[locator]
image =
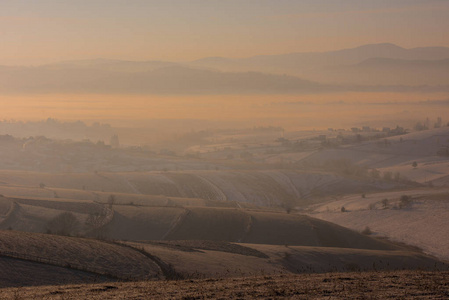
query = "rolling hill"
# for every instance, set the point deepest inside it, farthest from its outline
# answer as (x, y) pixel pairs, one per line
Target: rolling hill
(170, 79)
(397, 154)
(132, 222)
(422, 223)
(96, 257)
(63, 260)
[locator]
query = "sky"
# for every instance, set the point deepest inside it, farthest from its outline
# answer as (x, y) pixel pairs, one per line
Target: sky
(38, 32)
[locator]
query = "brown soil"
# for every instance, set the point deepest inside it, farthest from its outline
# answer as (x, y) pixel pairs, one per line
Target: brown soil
(370, 285)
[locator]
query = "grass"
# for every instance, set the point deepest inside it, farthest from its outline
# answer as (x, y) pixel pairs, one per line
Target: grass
(80, 253)
(354, 285)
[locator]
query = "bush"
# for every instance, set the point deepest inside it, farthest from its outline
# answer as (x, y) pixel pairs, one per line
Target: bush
(367, 231)
(288, 205)
(405, 201)
(343, 209)
(388, 176)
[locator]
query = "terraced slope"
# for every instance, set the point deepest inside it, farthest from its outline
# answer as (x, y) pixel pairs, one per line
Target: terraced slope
(143, 223)
(300, 230)
(262, 188)
(234, 225)
(135, 223)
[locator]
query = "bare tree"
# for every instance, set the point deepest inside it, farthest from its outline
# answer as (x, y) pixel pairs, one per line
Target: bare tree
(95, 223)
(111, 201)
(65, 223)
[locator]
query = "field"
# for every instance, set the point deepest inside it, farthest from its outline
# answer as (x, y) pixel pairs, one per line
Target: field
(276, 219)
(61, 259)
(352, 285)
(224, 149)
(97, 257)
(422, 223)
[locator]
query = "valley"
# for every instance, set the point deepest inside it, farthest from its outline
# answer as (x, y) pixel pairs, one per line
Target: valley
(269, 208)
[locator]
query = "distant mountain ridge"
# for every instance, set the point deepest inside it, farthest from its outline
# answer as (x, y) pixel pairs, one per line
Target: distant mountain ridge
(297, 63)
(376, 67)
(386, 50)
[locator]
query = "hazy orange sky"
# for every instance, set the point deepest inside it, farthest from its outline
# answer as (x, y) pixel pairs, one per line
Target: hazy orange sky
(35, 32)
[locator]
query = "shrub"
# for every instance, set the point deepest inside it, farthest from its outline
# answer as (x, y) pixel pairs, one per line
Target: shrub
(367, 231)
(343, 209)
(405, 201)
(288, 205)
(388, 176)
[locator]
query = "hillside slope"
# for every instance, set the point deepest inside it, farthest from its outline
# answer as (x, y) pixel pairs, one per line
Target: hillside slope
(19, 273)
(235, 225)
(423, 222)
(205, 259)
(80, 254)
(397, 154)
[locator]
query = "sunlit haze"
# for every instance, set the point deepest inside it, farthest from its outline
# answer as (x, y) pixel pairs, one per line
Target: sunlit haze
(36, 32)
(224, 149)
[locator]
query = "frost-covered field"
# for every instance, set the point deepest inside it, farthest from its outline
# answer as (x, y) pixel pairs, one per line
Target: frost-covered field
(423, 223)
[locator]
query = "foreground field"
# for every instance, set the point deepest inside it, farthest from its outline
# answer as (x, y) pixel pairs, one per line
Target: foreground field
(369, 285)
(44, 259)
(52, 259)
(208, 259)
